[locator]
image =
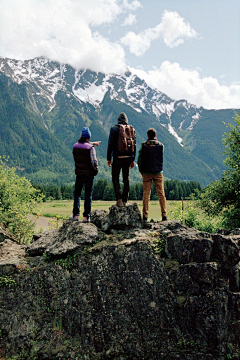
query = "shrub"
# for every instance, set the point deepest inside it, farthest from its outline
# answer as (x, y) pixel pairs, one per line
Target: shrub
(222, 198)
(18, 199)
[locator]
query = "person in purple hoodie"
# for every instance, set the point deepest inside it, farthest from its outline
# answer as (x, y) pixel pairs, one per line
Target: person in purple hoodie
(86, 167)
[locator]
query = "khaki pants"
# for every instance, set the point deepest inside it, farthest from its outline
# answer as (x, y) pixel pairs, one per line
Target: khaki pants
(159, 185)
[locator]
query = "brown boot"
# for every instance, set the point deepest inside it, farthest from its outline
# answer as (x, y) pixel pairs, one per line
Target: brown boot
(119, 203)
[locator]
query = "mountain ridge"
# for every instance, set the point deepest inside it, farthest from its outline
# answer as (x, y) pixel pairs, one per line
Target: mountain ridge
(65, 99)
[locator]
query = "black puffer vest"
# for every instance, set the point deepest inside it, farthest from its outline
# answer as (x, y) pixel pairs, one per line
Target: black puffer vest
(83, 165)
(152, 156)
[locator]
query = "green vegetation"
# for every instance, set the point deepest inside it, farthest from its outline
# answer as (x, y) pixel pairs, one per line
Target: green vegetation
(221, 199)
(32, 149)
(18, 199)
(67, 262)
(189, 214)
(6, 280)
(103, 190)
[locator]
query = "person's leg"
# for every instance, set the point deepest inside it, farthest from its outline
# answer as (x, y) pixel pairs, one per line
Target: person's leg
(88, 197)
(159, 185)
(116, 167)
(147, 183)
(77, 193)
(125, 173)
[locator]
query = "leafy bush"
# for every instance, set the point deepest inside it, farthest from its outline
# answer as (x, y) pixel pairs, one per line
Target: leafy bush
(192, 216)
(222, 198)
(18, 199)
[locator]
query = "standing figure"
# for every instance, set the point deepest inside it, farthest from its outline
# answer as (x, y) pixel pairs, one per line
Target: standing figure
(122, 148)
(150, 164)
(86, 167)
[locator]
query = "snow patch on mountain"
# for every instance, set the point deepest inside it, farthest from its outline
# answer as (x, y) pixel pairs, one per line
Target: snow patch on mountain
(175, 134)
(93, 94)
(195, 119)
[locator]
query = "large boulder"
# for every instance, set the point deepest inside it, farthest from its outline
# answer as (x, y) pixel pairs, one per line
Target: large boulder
(72, 235)
(189, 247)
(118, 218)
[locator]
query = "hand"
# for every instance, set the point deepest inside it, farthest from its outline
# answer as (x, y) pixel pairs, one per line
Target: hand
(132, 165)
(109, 163)
(96, 143)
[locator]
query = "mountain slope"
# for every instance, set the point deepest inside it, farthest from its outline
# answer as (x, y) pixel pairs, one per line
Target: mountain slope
(60, 101)
(31, 148)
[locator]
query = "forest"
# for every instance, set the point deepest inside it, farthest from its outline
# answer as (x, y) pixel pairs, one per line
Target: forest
(103, 190)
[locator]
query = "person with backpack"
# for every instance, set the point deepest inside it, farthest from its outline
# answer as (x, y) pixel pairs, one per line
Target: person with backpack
(150, 165)
(86, 167)
(122, 149)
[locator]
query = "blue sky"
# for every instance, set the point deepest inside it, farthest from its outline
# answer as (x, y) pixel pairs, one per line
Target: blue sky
(188, 49)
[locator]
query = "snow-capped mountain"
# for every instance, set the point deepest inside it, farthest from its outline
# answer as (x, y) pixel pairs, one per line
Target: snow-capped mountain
(42, 99)
(47, 78)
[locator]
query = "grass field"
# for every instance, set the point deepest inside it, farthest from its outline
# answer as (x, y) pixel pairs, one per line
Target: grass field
(62, 208)
(52, 213)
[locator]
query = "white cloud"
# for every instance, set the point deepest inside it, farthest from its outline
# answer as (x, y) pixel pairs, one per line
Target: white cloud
(61, 30)
(66, 31)
(173, 30)
(133, 6)
(130, 20)
(180, 83)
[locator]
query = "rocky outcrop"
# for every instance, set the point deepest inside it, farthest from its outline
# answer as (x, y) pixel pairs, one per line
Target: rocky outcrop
(118, 218)
(121, 291)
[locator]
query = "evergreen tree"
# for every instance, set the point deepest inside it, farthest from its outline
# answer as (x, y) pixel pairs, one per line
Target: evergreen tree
(139, 191)
(98, 189)
(132, 193)
(108, 193)
(67, 192)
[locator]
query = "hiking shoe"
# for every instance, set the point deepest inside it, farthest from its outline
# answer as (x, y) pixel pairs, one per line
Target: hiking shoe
(164, 218)
(74, 218)
(119, 203)
(145, 219)
(85, 220)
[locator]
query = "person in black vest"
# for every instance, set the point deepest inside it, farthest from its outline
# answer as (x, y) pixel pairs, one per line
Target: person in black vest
(150, 164)
(86, 167)
(120, 162)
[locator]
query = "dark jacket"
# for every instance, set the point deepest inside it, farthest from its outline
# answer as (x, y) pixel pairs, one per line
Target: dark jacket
(150, 157)
(112, 150)
(82, 158)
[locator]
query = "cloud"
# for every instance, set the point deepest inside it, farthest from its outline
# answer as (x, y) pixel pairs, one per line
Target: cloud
(173, 30)
(133, 6)
(130, 20)
(62, 31)
(180, 83)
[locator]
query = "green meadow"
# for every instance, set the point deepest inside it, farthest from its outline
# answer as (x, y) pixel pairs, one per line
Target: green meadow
(53, 213)
(63, 208)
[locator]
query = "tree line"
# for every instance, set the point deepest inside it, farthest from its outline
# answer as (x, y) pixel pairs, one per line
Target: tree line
(103, 190)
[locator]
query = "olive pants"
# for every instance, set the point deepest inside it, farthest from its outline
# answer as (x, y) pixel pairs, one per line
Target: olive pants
(159, 185)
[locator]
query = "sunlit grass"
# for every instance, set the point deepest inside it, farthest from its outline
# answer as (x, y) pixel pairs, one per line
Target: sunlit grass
(64, 207)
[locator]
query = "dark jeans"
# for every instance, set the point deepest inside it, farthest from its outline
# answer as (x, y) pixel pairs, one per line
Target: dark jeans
(118, 165)
(80, 181)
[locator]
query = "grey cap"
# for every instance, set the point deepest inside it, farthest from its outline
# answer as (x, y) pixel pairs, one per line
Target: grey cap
(122, 118)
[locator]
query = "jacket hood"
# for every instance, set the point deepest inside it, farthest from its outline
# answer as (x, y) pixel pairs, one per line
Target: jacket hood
(122, 118)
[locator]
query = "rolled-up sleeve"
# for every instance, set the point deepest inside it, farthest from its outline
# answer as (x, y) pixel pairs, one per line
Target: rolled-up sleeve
(94, 159)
